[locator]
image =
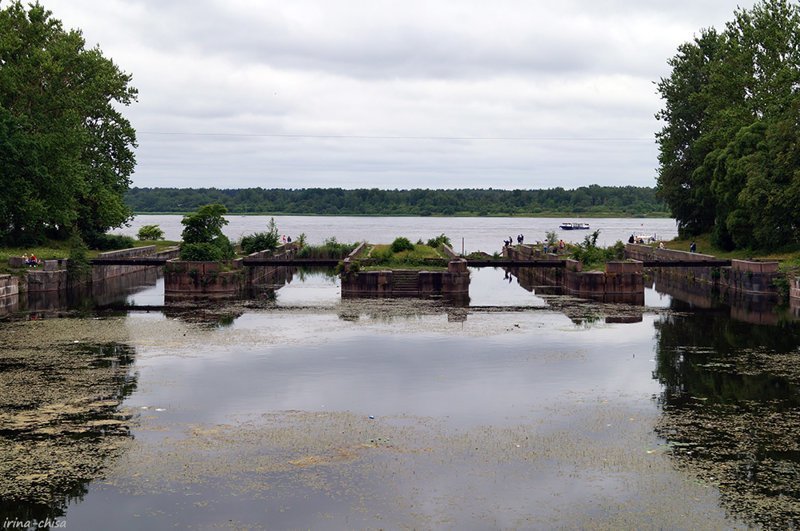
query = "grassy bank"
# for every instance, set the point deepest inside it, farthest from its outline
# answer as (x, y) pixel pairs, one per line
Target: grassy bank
(56, 250)
(785, 255)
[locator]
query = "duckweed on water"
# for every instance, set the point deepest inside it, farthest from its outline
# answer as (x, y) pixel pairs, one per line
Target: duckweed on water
(417, 473)
(59, 419)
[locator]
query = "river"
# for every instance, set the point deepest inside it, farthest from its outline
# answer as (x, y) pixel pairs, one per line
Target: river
(476, 233)
(524, 409)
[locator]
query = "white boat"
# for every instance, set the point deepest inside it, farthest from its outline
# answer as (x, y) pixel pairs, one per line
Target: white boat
(574, 226)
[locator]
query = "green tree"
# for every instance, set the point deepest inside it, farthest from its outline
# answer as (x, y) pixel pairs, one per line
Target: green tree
(681, 151)
(725, 149)
(202, 235)
(66, 150)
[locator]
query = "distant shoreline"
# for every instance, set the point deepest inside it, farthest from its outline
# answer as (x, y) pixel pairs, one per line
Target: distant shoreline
(653, 215)
(591, 201)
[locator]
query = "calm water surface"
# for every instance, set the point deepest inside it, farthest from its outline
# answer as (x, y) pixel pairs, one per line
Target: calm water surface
(522, 410)
(478, 233)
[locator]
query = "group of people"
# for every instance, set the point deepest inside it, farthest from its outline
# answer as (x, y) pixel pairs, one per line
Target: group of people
(553, 248)
(643, 239)
(31, 261)
(510, 240)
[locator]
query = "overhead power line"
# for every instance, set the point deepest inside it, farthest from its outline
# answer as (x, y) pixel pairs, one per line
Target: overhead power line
(401, 137)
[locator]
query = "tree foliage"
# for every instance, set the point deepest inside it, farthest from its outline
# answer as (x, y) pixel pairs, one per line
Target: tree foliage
(438, 241)
(589, 254)
(65, 148)
(150, 232)
(728, 150)
(261, 241)
(202, 235)
(587, 200)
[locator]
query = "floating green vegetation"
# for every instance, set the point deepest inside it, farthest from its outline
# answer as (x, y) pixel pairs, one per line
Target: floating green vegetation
(63, 382)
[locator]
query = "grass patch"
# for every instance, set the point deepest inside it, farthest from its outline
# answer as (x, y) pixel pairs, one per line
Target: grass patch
(790, 254)
(160, 244)
(419, 252)
(330, 249)
(59, 250)
(421, 257)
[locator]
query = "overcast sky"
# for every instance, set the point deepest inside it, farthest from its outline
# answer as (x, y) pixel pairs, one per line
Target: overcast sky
(393, 94)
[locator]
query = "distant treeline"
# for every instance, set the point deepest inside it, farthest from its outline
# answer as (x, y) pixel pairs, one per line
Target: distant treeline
(588, 201)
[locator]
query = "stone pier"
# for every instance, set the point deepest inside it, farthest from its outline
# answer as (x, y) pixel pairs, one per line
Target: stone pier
(747, 276)
(452, 283)
(620, 282)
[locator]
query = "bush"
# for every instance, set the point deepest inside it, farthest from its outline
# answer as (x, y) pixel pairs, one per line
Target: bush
(402, 244)
(201, 252)
(260, 241)
(616, 251)
(589, 254)
(111, 242)
(150, 232)
(383, 255)
(78, 267)
(330, 249)
(438, 241)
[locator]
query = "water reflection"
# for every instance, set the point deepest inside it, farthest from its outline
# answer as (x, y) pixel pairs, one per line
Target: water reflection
(145, 286)
(751, 308)
(731, 407)
(499, 287)
(549, 280)
(266, 405)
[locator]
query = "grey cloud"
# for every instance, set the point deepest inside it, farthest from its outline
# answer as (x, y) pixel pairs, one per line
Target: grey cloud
(510, 68)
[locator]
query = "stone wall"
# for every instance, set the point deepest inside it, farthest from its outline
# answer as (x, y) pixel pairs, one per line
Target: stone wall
(449, 252)
(101, 273)
(453, 283)
(39, 280)
(620, 282)
(9, 294)
(366, 284)
(751, 277)
(794, 290)
(755, 308)
(227, 279)
(528, 252)
(185, 279)
(352, 257)
(743, 275)
(270, 275)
